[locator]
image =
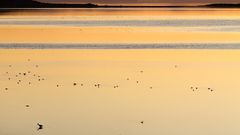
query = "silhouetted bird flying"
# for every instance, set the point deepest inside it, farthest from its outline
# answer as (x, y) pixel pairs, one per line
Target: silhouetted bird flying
(40, 126)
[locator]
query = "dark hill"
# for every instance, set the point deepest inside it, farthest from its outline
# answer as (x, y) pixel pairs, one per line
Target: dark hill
(36, 4)
(223, 5)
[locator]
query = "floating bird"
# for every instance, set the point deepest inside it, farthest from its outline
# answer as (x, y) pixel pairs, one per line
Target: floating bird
(127, 78)
(27, 105)
(6, 88)
(81, 84)
(74, 84)
(24, 74)
(116, 86)
(137, 81)
(150, 87)
(141, 71)
(142, 122)
(57, 85)
(97, 85)
(40, 126)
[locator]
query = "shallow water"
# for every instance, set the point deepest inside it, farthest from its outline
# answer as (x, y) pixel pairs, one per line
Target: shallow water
(160, 71)
(150, 25)
(170, 107)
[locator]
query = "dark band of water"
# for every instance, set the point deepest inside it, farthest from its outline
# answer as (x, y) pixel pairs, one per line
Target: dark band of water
(139, 23)
(120, 46)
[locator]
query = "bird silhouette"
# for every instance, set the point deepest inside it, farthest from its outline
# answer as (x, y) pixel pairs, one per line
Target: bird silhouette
(40, 126)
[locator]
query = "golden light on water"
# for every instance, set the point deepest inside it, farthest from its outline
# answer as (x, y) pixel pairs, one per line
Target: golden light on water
(119, 91)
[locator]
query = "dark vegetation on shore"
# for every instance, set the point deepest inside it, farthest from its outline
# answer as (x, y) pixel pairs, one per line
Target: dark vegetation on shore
(36, 4)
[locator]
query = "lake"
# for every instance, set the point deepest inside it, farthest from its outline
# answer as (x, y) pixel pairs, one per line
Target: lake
(120, 71)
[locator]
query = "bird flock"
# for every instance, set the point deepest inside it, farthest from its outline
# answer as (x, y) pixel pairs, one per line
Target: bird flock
(30, 77)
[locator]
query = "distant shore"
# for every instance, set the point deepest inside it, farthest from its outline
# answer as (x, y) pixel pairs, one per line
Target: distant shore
(36, 4)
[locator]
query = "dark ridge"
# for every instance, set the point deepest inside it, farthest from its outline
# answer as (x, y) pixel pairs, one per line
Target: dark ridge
(36, 4)
(222, 5)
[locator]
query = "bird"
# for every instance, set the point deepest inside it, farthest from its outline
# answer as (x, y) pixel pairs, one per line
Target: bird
(6, 88)
(27, 105)
(142, 122)
(74, 84)
(151, 87)
(40, 126)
